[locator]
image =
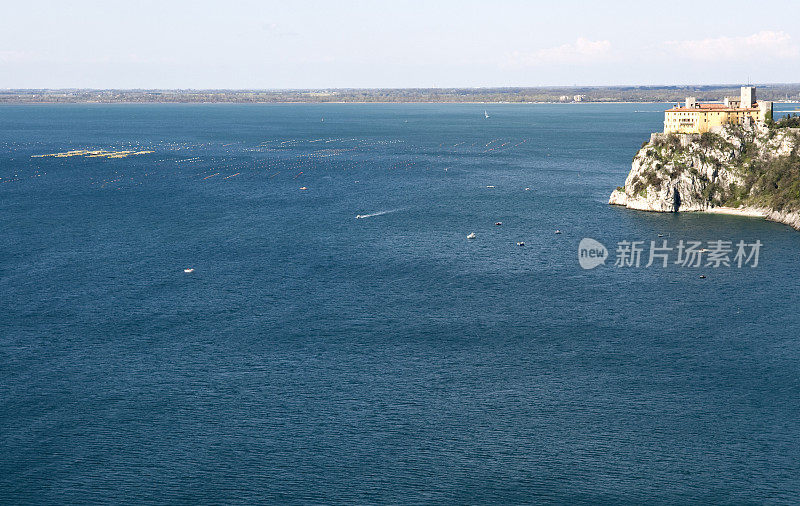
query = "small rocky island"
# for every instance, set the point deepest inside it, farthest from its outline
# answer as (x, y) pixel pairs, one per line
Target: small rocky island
(720, 158)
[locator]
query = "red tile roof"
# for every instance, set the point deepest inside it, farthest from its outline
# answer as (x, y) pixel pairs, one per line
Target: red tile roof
(711, 107)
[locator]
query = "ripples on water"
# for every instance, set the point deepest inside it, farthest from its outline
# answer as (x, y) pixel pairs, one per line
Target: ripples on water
(312, 356)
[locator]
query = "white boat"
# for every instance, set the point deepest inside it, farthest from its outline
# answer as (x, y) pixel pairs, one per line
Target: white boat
(486, 114)
(188, 271)
(471, 236)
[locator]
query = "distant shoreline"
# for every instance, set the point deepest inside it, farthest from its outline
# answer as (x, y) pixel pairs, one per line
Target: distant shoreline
(485, 96)
(2, 103)
(332, 103)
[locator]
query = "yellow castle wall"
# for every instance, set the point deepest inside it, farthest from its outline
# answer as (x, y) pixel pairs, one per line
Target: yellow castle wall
(699, 121)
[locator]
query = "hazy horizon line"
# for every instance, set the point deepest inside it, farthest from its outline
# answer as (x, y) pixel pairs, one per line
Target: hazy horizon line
(575, 86)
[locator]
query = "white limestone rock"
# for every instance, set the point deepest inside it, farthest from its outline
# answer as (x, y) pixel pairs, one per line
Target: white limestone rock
(690, 172)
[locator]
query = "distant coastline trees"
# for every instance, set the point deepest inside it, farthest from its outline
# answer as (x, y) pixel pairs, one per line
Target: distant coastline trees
(774, 92)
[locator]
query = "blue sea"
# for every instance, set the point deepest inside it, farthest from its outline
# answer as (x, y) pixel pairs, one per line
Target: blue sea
(316, 357)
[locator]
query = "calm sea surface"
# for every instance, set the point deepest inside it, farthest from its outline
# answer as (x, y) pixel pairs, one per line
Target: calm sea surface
(315, 357)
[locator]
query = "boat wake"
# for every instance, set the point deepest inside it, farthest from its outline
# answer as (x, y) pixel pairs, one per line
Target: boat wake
(379, 213)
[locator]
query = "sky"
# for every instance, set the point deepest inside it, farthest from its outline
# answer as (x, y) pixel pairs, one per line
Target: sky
(398, 44)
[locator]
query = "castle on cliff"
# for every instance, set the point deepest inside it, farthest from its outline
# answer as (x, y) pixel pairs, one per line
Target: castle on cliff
(695, 117)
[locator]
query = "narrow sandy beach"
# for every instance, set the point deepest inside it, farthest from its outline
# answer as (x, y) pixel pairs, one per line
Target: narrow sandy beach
(753, 212)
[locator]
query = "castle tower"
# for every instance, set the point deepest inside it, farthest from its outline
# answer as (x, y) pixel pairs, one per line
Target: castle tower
(764, 110)
(748, 96)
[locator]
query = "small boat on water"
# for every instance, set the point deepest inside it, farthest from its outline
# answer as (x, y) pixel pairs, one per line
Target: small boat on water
(558, 231)
(471, 235)
(485, 114)
(520, 243)
(189, 270)
(497, 224)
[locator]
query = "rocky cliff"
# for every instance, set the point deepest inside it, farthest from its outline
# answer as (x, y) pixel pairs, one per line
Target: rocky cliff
(742, 170)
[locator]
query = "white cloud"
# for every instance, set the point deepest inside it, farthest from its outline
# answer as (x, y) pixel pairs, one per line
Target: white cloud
(581, 51)
(765, 44)
(276, 30)
(14, 56)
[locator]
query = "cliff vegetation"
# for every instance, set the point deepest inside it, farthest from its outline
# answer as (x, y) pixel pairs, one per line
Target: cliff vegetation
(755, 170)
